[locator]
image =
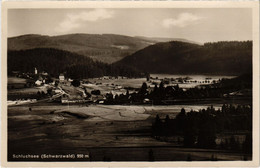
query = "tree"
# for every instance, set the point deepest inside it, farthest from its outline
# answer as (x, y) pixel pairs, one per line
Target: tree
(157, 119)
(147, 77)
(234, 144)
(49, 91)
(56, 83)
(247, 145)
(161, 87)
(189, 136)
(189, 157)
(151, 156)
(207, 134)
(96, 92)
(143, 89)
(181, 115)
(155, 88)
(75, 83)
(157, 126)
(167, 119)
(127, 93)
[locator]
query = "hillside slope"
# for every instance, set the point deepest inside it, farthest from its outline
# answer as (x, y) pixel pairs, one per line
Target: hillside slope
(56, 61)
(107, 48)
(229, 58)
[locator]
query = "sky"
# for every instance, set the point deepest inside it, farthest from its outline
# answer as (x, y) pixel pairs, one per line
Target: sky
(196, 24)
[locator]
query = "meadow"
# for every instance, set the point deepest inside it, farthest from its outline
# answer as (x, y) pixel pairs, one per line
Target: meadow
(104, 132)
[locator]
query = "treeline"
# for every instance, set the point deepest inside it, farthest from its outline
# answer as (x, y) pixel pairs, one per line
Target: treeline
(242, 45)
(217, 90)
(56, 61)
(200, 129)
(167, 94)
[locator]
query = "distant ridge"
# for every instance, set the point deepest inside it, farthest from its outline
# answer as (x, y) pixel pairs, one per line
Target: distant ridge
(106, 48)
(166, 39)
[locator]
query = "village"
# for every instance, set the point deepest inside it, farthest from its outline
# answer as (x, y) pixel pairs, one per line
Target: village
(119, 113)
(26, 88)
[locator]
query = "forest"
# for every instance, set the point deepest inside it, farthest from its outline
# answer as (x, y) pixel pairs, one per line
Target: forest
(219, 58)
(175, 57)
(200, 129)
(56, 61)
(167, 94)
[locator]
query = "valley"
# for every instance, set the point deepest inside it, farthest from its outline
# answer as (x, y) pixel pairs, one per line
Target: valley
(120, 98)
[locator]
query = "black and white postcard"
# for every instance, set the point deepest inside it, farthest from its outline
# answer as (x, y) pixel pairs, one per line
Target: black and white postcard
(130, 83)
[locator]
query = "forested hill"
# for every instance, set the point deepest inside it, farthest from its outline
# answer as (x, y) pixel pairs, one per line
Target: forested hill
(106, 48)
(56, 61)
(222, 58)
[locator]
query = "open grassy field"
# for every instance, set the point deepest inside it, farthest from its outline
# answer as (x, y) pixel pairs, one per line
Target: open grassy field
(26, 93)
(13, 80)
(134, 83)
(119, 133)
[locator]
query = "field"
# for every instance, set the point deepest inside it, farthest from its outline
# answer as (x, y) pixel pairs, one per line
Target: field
(107, 132)
(25, 93)
(13, 80)
(103, 132)
(116, 86)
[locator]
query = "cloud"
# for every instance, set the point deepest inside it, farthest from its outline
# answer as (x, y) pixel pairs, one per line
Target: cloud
(183, 20)
(73, 20)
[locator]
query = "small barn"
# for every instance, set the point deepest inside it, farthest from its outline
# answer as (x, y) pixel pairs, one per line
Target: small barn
(61, 77)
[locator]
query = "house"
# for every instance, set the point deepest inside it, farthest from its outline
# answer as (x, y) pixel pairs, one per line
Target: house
(61, 77)
(44, 73)
(38, 82)
(106, 77)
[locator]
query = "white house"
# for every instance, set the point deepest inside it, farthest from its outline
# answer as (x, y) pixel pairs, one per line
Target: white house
(38, 82)
(61, 77)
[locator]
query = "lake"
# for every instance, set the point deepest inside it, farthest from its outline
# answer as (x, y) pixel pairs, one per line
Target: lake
(192, 80)
(108, 85)
(193, 77)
